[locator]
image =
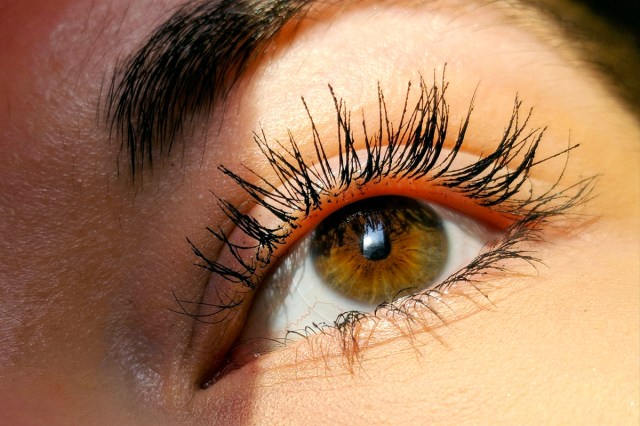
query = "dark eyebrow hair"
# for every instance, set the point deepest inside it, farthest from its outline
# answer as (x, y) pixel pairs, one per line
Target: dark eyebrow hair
(187, 64)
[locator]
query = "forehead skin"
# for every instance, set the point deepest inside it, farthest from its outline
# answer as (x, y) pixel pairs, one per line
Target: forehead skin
(88, 262)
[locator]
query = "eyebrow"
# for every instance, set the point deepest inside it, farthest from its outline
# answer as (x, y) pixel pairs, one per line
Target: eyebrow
(192, 61)
(189, 63)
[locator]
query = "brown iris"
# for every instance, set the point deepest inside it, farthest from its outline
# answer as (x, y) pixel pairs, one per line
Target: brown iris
(375, 249)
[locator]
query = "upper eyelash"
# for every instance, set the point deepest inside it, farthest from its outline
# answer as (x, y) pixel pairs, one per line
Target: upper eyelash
(412, 149)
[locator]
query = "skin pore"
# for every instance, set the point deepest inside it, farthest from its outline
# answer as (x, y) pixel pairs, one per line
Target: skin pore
(91, 263)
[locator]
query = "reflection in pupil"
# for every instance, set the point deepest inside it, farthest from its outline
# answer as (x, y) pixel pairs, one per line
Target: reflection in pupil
(375, 244)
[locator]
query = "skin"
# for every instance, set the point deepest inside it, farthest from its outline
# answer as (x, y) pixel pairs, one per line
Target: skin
(88, 260)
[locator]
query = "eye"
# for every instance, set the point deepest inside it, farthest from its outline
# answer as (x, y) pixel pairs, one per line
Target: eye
(368, 253)
(274, 277)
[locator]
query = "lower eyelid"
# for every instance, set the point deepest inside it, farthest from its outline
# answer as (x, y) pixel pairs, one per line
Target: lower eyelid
(352, 333)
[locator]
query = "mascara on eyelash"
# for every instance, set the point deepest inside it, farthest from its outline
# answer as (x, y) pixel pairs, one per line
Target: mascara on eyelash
(410, 149)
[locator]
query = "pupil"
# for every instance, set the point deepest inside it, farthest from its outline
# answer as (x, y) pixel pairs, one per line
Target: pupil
(375, 244)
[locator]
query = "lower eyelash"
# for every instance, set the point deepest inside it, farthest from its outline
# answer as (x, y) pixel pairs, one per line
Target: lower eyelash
(413, 151)
(485, 264)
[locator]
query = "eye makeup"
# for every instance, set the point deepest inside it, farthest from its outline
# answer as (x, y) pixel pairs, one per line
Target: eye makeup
(413, 150)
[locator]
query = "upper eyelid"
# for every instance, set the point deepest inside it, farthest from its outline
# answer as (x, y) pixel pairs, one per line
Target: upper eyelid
(488, 182)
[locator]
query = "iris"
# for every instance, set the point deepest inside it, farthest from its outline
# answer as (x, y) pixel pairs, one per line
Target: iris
(374, 249)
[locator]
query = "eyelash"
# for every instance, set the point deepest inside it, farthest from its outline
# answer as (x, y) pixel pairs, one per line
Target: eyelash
(413, 151)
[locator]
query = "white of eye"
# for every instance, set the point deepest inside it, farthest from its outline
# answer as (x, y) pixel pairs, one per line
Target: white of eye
(294, 298)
